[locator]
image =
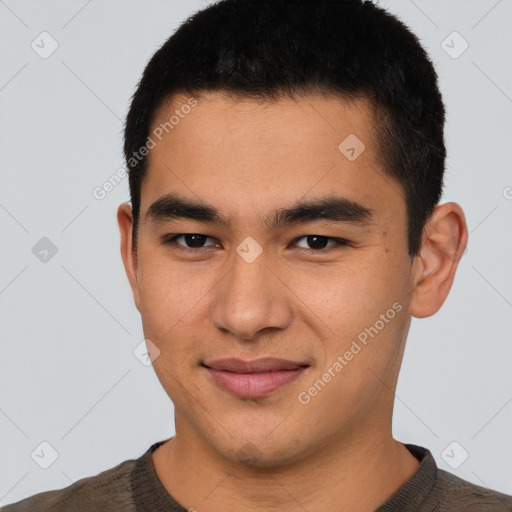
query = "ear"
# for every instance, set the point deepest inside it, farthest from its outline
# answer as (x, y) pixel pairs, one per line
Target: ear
(129, 255)
(444, 240)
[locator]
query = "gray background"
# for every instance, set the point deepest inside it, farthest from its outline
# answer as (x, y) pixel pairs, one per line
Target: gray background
(68, 374)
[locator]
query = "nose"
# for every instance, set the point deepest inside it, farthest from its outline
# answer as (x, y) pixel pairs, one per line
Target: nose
(250, 298)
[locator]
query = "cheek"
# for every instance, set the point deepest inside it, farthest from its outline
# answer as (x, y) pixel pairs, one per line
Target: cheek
(345, 296)
(174, 310)
(360, 302)
(169, 293)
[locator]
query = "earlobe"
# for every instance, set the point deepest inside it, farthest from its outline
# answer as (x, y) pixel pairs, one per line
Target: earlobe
(444, 241)
(129, 256)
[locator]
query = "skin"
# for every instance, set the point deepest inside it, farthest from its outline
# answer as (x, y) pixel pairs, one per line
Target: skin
(248, 158)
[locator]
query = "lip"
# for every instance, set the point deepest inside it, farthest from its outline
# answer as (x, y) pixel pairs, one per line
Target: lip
(253, 379)
(264, 364)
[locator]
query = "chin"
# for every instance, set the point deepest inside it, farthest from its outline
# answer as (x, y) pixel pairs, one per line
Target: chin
(263, 453)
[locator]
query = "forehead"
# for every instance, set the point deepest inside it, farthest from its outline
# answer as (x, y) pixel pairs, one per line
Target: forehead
(241, 152)
(227, 118)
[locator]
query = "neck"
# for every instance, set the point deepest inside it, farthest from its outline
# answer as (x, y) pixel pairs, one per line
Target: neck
(362, 472)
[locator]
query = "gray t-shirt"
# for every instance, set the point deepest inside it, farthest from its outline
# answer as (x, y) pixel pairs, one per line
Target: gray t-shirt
(133, 486)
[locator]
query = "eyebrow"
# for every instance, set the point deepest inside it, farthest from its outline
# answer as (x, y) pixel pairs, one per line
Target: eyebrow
(330, 208)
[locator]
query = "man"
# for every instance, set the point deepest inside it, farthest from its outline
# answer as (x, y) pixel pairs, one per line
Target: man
(286, 164)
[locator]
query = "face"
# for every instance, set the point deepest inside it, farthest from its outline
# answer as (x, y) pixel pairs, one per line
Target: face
(324, 286)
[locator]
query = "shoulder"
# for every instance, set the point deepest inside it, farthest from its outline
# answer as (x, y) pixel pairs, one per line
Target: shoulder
(454, 493)
(90, 493)
(431, 489)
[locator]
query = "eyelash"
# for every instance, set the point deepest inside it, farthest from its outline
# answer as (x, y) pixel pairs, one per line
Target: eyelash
(170, 240)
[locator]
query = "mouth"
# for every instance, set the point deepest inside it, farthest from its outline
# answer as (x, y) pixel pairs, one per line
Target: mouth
(253, 379)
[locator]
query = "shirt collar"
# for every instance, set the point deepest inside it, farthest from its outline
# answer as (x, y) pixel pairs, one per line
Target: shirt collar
(150, 495)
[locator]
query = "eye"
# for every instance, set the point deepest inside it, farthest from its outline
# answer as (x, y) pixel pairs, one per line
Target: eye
(318, 243)
(192, 240)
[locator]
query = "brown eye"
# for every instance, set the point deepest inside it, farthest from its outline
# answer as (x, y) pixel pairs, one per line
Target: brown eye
(318, 243)
(190, 240)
